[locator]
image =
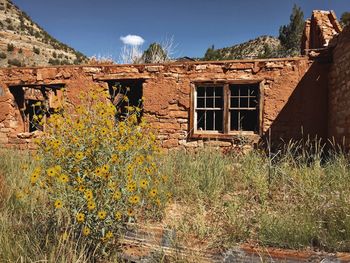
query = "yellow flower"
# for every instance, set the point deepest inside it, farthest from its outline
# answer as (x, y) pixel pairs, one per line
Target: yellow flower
(105, 168)
(79, 156)
(143, 184)
(51, 171)
(114, 158)
(104, 131)
(58, 204)
(80, 217)
(109, 234)
(101, 214)
(91, 205)
(98, 171)
(88, 195)
(64, 178)
(34, 178)
(153, 192)
(58, 168)
(118, 215)
(86, 231)
(117, 195)
(130, 212)
(135, 199)
(81, 188)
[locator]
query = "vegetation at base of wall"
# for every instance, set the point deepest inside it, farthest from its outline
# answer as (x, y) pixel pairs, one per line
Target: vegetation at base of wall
(94, 171)
(295, 199)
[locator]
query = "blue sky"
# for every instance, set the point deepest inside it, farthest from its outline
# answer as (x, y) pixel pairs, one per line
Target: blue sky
(95, 27)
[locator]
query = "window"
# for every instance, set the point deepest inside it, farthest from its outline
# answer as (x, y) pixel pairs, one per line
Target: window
(225, 108)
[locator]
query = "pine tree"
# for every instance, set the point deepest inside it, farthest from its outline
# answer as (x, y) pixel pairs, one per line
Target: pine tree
(290, 35)
(154, 54)
(345, 19)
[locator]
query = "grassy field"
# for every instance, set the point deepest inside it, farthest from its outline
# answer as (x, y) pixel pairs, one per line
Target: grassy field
(294, 199)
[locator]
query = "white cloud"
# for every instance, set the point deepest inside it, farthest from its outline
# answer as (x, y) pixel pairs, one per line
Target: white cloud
(132, 40)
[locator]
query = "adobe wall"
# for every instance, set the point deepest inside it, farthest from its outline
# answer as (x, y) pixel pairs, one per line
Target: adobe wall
(339, 90)
(294, 95)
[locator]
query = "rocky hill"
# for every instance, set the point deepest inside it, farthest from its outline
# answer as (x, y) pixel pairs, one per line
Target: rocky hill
(25, 43)
(261, 47)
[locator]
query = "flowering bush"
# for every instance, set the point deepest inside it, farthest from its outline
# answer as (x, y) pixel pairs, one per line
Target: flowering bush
(97, 169)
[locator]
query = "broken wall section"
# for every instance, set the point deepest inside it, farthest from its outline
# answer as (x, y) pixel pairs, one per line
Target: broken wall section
(339, 90)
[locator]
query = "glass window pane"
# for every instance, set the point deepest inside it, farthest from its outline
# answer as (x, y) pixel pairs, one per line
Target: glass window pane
(253, 102)
(200, 120)
(210, 91)
(248, 120)
(218, 91)
(243, 103)
(234, 103)
(209, 103)
(200, 102)
(200, 91)
(218, 103)
(219, 120)
(234, 120)
(210, 120)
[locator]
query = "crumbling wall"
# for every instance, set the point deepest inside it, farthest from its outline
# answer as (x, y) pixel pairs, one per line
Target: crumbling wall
(291, 89)
(339, 90)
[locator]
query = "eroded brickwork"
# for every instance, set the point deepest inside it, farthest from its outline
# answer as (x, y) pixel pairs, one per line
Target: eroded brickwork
(288, 92)
(339, 90)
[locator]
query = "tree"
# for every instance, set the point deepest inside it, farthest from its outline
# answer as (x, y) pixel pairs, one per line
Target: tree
(290, 35)
(345, 19)
(154, 54)
(212, 54)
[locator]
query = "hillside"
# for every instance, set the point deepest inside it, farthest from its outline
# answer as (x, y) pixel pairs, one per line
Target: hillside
(25, 43)
(261, 47)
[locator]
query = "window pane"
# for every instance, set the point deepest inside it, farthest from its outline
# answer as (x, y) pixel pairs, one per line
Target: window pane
(200, 91)
(253, 102)
(249, 120)
(234, 120)
(210, 91)
(200, 120)
(218, 103)
(244, 90)
(234, 90)
(218, 120)
(243, 103)
(200, 103)
(234, 103)
(210, 102)
(218, 91)
(209, 121)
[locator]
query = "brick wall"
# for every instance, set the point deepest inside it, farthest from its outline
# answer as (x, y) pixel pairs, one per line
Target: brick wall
(294, 95)
(339, 90)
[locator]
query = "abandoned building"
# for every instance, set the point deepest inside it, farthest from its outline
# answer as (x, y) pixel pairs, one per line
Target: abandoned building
(192, 103)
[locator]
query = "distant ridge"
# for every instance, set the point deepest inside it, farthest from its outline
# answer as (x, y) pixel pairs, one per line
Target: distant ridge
(24, 43)
(261, 47)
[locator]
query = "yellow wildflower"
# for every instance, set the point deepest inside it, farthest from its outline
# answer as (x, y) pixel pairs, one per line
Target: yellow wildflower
(118, 215)
(79, 156)
(143, 184)
(91, 205)
(51, 171)
(86, 231)
(101, 214)
(80, 217)
(64, 178)
(153, 192)
(135, 199)
(109, 235)
(130, 212)
(58, 204)
(117, 195)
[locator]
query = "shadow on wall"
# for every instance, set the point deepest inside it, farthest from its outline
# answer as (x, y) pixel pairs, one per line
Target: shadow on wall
(305, 115)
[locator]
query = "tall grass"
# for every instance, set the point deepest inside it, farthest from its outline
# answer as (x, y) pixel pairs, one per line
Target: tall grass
(296, 198)
(24, 235)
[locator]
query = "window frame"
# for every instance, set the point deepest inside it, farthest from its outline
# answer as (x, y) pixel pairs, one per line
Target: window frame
(226, 133)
